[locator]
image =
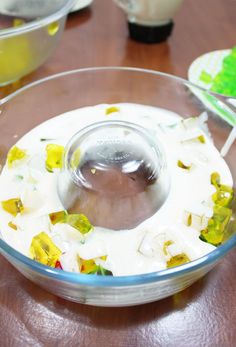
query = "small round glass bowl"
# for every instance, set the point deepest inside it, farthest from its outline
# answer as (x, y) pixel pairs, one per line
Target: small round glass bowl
(117, 167)
(29, 32)
(26, 108)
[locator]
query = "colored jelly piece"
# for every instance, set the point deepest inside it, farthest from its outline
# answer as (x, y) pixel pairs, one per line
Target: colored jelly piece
(214, 233)
(104, 272)
(215, 179)
(221, 216)
(112, 109)
(12, 225)
(44, 139)
(166, 245)
(183, 166)
(13, 206)
(224, 81)
(17, 22)
(189, 220)
(75, 159)
(210, 235)
(223, 196)
(205, 77)
(53, 28)
(79, 222)
(177, 260)
(15, 154)
(58, 217)
(43, 250)
(89, 267)
(19, 177)
(58, 265)
(201, 139)
(54, 157)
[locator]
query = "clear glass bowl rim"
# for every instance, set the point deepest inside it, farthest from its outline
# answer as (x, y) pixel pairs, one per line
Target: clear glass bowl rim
(116, 281)
(35, 24)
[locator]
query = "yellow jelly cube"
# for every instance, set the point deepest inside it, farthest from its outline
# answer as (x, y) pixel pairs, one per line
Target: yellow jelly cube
(201, 138)
(12, 225)
(79, 222)
(13, 206)
(43, 250)
(58, 217)
(215, 231)
(17, 22)
(54, 157)
(15, 154)
(223, 195)
(87, 266)
(90, 267)
(53, 28)
(177, 260)
(75, 159)
(112, 109)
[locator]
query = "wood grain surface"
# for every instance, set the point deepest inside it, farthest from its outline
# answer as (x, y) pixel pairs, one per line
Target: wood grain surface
(203, 315)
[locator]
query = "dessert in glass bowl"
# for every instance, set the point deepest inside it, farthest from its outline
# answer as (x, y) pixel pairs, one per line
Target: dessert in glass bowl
(115, 187)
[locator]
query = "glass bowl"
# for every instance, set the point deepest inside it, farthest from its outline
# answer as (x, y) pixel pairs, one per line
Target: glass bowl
(29, 32)
(41, 100)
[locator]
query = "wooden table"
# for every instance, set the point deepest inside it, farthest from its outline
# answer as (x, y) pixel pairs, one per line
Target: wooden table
(204, 314)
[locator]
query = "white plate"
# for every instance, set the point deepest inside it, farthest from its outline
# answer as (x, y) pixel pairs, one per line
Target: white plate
(209, 62)
(212, 64)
